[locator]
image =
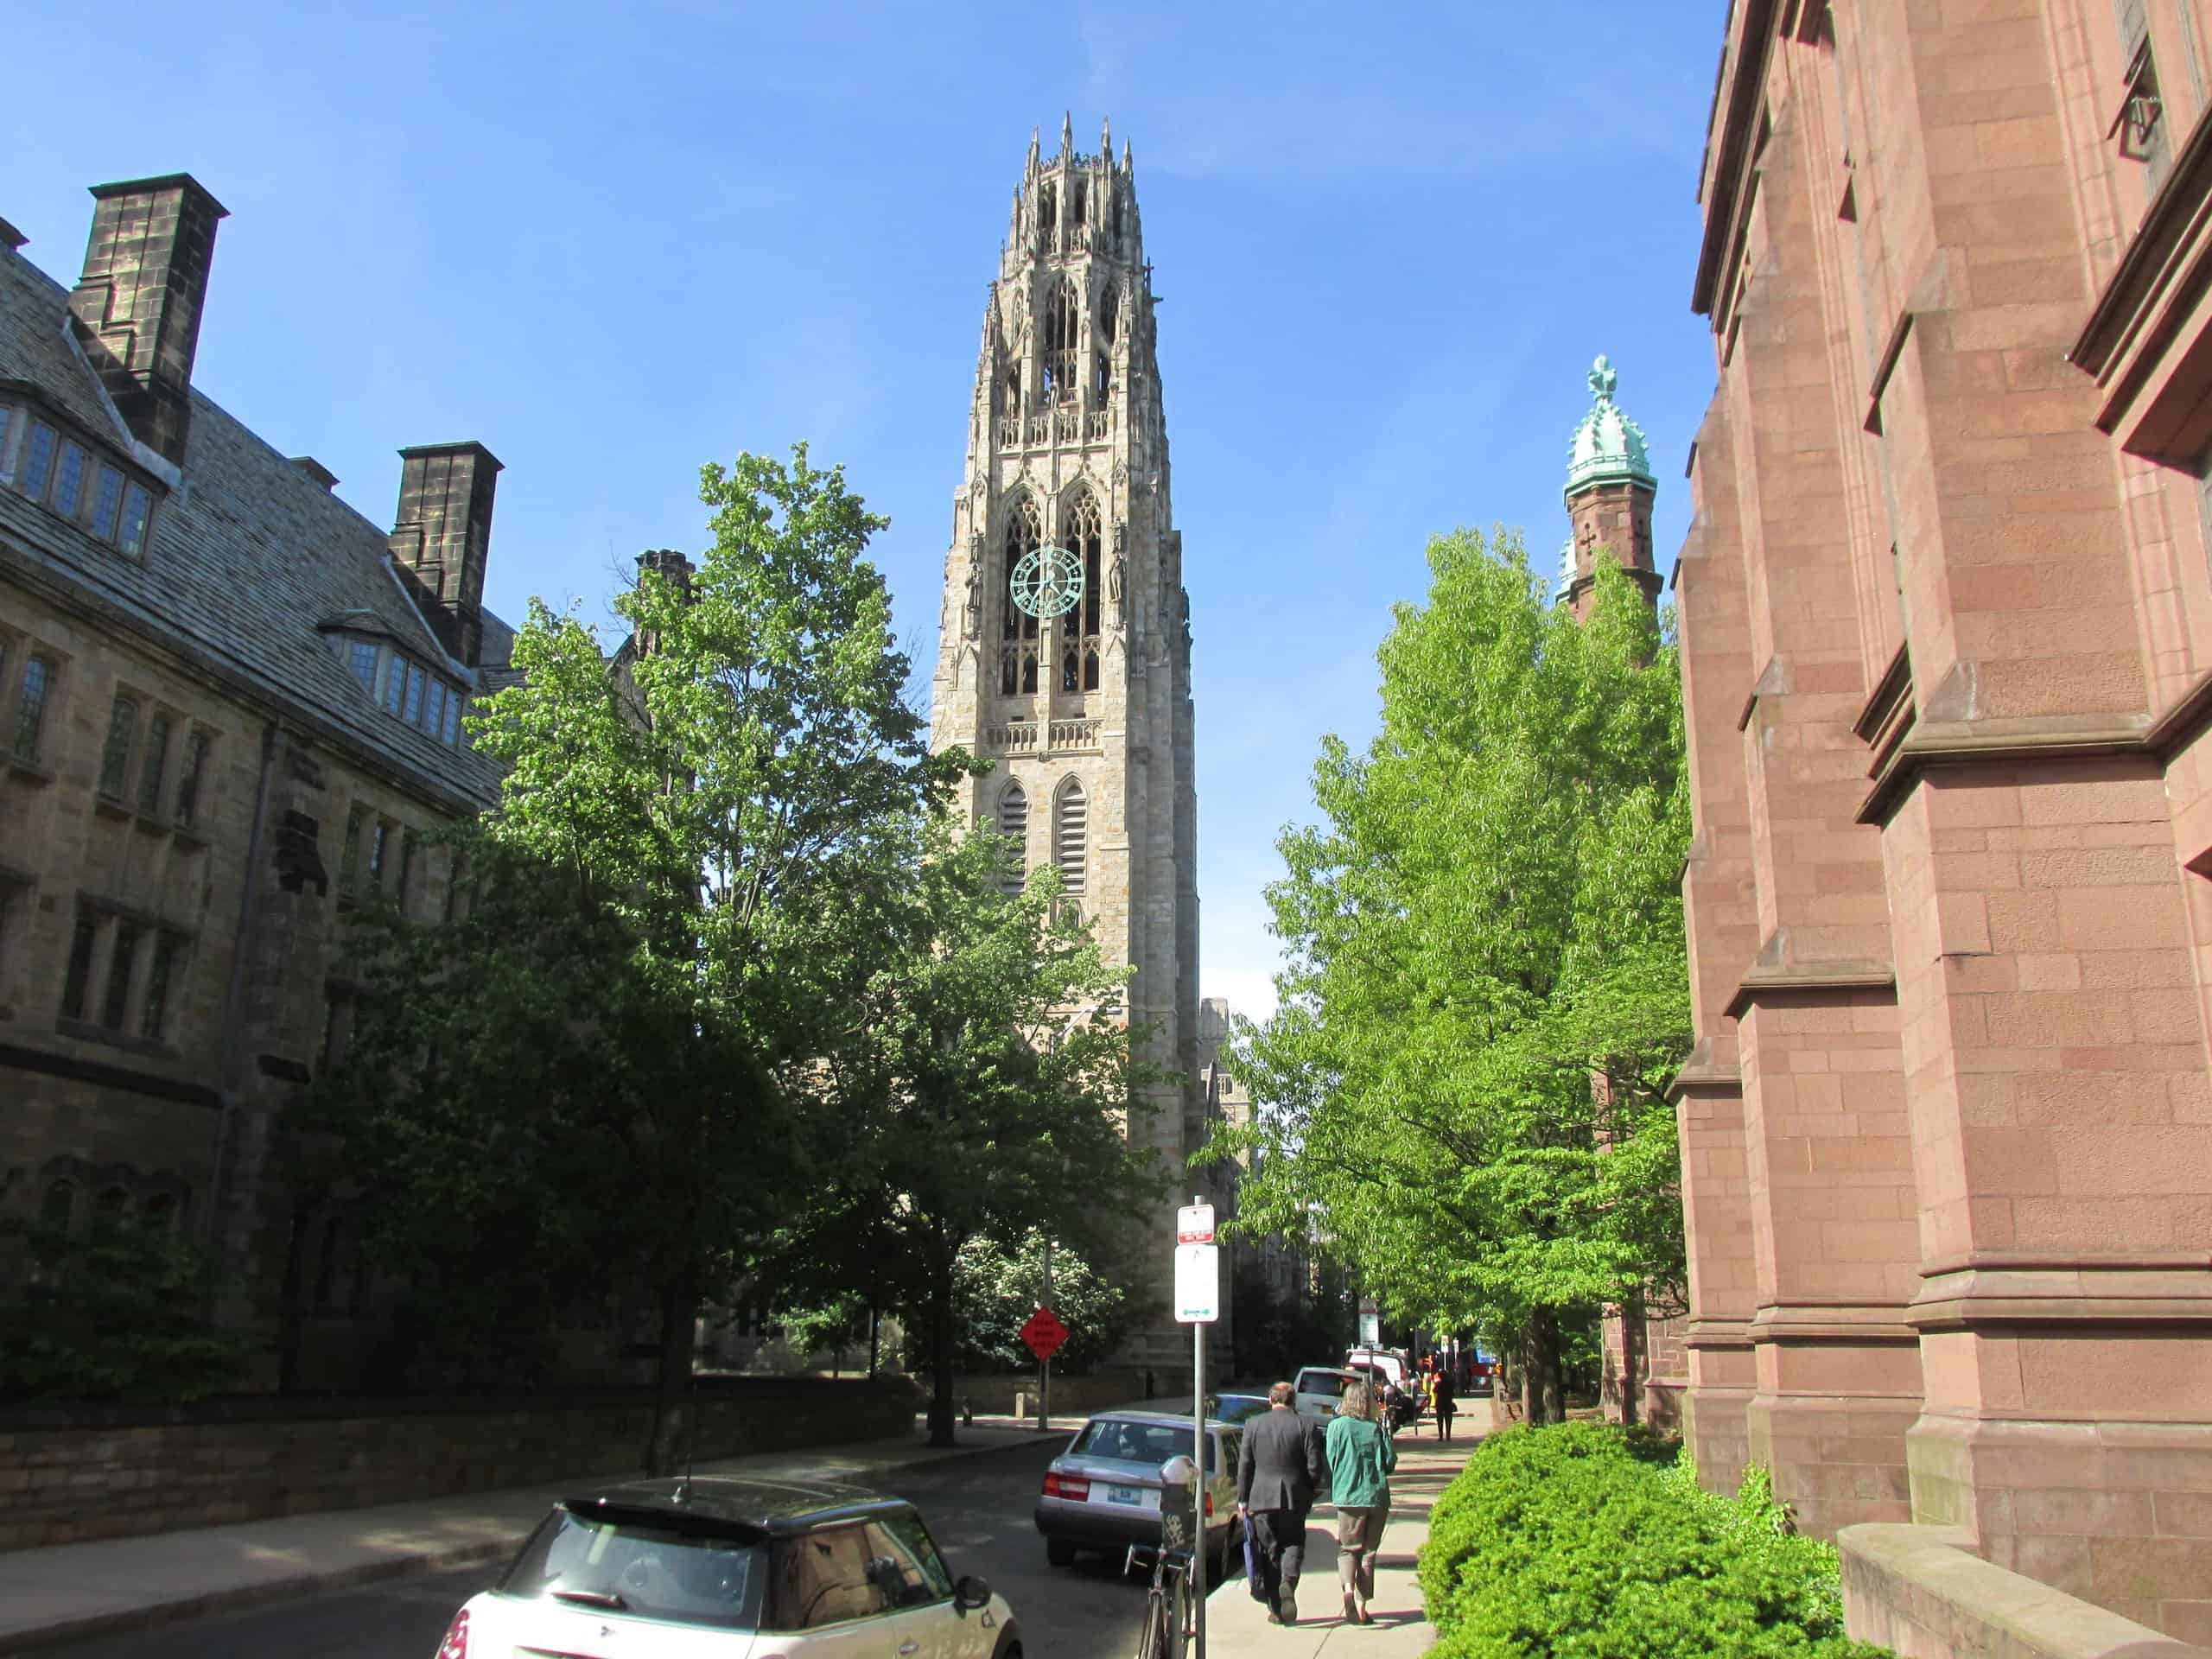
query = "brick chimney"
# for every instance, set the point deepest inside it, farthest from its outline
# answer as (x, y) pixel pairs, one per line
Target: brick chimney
(441, 534)
(137, 305)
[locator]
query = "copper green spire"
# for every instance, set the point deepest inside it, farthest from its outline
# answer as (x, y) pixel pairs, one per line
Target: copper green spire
(1608, 447)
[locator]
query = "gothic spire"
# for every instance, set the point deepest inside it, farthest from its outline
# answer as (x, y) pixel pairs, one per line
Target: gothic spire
(1067, 133)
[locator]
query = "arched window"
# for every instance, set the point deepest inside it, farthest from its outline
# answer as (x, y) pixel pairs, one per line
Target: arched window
(1017, 628)
(109, 1210)
(1014, 825)
(1048, 216)
(1077, 201)
(1014, 389)
(1109, 303)
(1071, 831)
(1063, 336)
(1087, 540)
(159, 1213)
(58, 1206)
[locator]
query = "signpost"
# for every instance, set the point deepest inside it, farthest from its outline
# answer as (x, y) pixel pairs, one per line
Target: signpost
(1198, 1304)
(1042, 1333)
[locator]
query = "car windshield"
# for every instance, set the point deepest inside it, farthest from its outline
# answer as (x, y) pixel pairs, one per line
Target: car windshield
(1119, 1439)
(631, 1566)
(1326, 1382)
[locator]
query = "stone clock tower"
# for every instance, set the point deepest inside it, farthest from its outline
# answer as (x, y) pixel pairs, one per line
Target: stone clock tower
(1066, 642)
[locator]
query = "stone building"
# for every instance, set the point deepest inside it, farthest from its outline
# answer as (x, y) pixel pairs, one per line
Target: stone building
(1064, 654)
(229, 707)
(1947, 615)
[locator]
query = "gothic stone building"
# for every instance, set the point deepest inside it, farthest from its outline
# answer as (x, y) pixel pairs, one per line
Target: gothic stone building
(229, 707)
(1946, 609)
(1084, 712)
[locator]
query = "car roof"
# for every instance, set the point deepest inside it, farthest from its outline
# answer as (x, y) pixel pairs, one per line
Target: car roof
(1177, 1419)
(769, 1506)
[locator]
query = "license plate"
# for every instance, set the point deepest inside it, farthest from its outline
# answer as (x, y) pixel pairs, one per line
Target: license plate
(1131, 1494)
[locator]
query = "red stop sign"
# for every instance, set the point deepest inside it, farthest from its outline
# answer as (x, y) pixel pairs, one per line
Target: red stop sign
(1042, 1333)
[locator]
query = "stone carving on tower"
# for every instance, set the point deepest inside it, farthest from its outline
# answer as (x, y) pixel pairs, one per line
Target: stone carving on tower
(1069, 666)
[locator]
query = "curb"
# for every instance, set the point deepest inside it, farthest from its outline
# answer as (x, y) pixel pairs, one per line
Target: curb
(425, 1563)
(181, 1609)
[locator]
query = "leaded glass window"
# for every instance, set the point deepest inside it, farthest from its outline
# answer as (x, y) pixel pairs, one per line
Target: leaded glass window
(115, 759)
(30, 706)
(157, 755)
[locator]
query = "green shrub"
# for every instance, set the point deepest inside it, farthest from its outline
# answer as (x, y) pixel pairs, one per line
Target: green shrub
(114, 1316)
(1585, 1541)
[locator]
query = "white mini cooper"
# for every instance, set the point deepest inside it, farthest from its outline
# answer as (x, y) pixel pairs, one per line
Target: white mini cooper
(733, 1569)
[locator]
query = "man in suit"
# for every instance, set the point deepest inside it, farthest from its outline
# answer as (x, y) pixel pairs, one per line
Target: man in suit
(1278, 1472)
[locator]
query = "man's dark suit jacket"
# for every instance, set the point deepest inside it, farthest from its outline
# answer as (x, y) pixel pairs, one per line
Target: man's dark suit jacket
(1280, 1466)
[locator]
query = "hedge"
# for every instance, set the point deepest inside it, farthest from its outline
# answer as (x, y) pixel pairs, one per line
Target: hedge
(1588, 1542)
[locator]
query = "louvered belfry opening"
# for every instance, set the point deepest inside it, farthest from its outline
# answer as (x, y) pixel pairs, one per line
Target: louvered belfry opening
(1070, 822)
(1014, 824)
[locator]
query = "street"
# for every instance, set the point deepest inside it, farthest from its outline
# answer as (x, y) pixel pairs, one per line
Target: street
(977, 1507)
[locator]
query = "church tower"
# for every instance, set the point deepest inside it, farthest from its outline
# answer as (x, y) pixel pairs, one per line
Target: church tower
(1609, 490)
(1064, 654)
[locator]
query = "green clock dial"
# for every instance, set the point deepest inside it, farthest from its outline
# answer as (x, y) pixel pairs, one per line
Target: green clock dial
(1047, 582)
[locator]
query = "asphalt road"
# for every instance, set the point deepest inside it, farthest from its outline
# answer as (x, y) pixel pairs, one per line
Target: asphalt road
(977, 1507)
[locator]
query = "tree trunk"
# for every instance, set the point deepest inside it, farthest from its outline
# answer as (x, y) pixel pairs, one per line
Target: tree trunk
(1546, 1405)
(669, 1447)
(941, 1351)
(1631, 1341)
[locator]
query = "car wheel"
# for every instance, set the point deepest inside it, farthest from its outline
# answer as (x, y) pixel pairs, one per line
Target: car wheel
(1059, 1553)
(1225, 1564)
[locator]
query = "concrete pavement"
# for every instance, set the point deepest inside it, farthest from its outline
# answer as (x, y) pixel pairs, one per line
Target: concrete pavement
(70, 1591)
(1237, 1627)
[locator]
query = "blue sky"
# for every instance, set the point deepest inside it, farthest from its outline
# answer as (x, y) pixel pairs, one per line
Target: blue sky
(612, 243)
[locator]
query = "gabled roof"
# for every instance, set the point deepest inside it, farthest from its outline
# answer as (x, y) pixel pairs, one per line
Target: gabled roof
(250, 559)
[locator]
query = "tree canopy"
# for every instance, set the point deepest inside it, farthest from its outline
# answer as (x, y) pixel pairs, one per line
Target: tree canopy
(1485, 991)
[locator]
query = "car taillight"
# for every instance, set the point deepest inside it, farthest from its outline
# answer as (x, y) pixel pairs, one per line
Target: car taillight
(456, 1646)
(1209, 1506)
(1069, 1486)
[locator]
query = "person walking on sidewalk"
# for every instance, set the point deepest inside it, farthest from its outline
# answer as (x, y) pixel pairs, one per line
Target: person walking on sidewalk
(1447, 1405)
(1361, 1458)
(1278, 1472)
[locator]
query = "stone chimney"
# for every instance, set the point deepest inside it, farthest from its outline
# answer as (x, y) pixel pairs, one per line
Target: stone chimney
(670, 565)
(137, 305)
(442, 534)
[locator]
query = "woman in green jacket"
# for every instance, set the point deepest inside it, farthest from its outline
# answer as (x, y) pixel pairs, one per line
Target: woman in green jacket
(1361, 1458)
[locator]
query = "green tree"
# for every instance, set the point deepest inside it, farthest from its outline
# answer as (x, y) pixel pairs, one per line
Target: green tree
(612, 1048)
(997, 1286)
(1485, 991)
(982, 1084)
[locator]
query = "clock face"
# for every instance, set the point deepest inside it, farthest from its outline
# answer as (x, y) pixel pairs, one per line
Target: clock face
(1047, 582)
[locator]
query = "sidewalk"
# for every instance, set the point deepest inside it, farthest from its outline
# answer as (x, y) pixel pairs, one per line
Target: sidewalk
(69, 1590)
(1237, 1627)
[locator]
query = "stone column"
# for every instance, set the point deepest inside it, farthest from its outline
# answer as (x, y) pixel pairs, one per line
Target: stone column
(1720, 908)
(1828, 1158)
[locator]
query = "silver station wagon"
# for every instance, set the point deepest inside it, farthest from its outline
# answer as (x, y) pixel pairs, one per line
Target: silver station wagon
(1103, 1492)
(685, 1569)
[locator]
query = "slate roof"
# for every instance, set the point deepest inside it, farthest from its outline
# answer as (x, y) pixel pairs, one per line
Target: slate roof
(246, 558)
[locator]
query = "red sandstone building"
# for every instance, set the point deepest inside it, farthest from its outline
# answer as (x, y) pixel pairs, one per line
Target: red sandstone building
(1947, 616)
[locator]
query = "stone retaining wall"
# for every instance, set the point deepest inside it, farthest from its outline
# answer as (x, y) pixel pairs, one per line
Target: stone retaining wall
(1072, 1396)
(68, 1476)
(1919, 1591)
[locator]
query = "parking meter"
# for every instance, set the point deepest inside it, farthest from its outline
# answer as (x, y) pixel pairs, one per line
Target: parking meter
(1178, 1479)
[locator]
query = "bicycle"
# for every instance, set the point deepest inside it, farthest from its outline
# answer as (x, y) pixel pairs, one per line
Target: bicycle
(1170, 1618)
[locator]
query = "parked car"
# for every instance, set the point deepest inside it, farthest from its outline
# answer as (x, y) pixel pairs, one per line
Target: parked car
(1388, 1370)
(1234, 1408)
(1103, 1492)
(673, 1569)
(1319, 1388)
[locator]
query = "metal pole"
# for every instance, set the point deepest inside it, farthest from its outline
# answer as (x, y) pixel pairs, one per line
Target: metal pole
(1044, 1365)
(1205, 1482)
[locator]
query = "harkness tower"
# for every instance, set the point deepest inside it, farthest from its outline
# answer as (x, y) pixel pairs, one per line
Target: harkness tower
(1065, 640)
